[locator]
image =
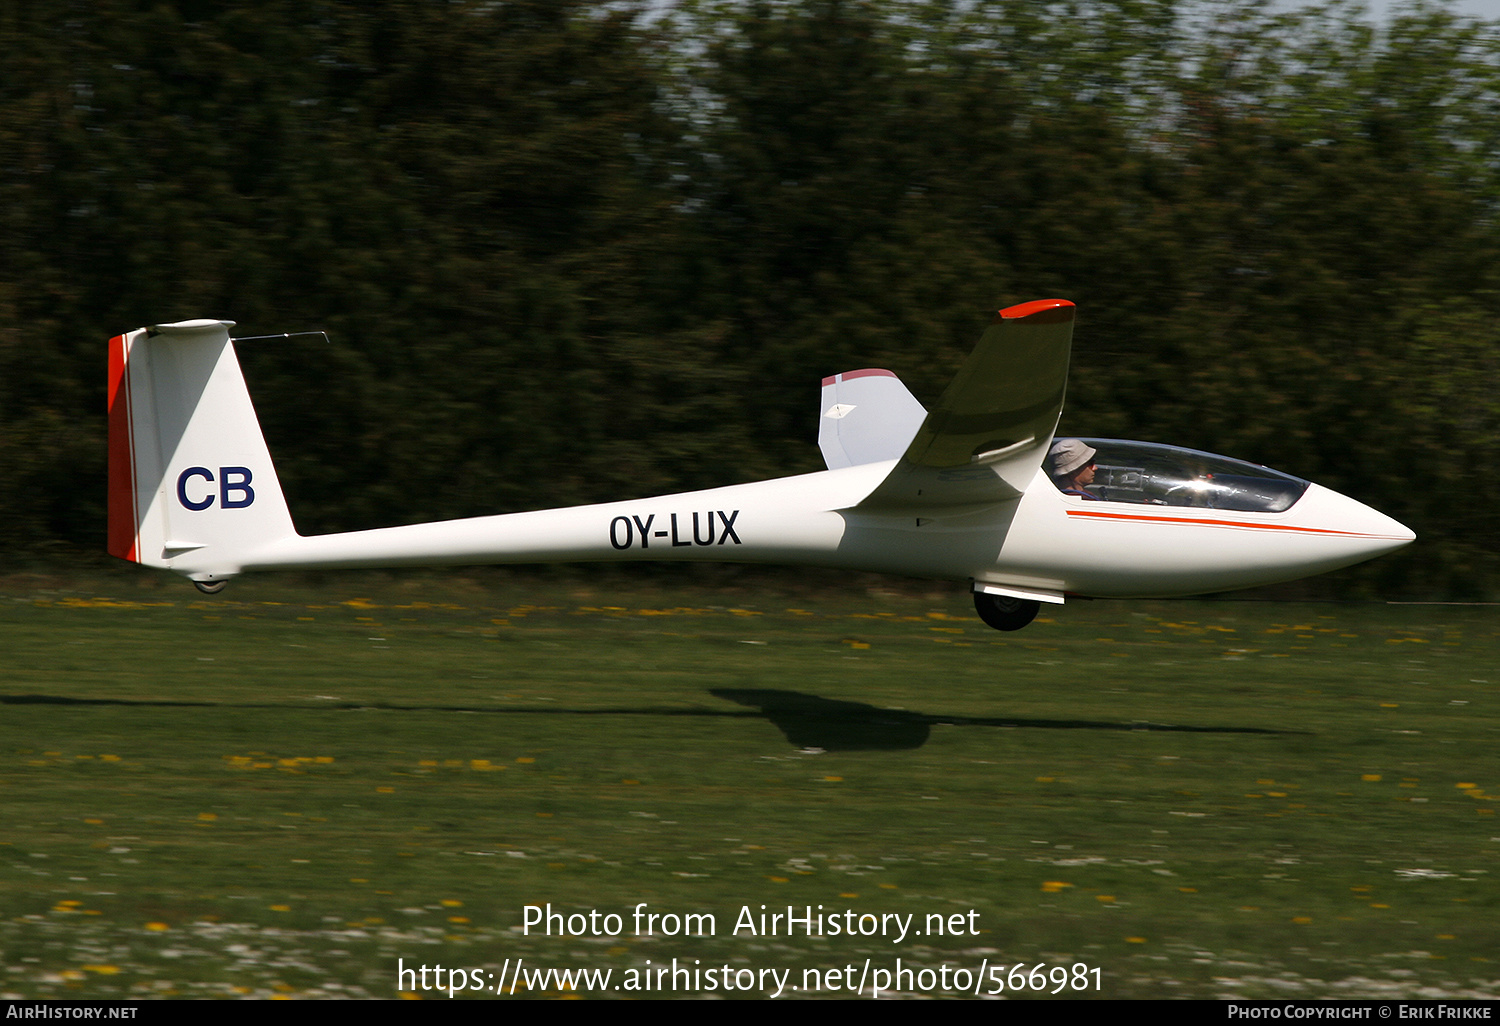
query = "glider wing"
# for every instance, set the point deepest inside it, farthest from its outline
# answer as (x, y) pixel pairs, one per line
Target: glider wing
(868, 416)
(984, 440)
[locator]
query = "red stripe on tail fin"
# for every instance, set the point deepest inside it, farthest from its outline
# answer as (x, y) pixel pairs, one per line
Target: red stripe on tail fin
(123, 529)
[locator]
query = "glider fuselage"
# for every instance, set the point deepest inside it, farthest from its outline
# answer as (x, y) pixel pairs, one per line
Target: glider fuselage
(1044, 541)
(960, 492)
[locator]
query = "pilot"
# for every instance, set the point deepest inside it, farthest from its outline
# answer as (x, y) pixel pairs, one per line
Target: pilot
(1072, 467)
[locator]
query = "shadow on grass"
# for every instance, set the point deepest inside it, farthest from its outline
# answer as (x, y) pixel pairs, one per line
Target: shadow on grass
(808, 721)
(834, 725)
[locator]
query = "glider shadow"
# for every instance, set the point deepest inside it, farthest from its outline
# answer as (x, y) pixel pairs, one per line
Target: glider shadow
(807, 721)
(834, 725)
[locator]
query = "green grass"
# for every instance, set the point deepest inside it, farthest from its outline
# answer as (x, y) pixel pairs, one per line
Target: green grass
(284, 790)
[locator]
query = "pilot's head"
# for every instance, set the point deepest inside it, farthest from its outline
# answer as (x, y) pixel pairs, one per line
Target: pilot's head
(1068, 456)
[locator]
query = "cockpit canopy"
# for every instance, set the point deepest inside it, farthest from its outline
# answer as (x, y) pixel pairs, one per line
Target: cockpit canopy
(1165, 475)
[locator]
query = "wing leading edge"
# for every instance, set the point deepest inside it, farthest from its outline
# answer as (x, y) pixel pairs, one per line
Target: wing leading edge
(982, 443)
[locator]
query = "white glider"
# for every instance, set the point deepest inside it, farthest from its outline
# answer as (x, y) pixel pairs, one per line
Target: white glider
(960, 492)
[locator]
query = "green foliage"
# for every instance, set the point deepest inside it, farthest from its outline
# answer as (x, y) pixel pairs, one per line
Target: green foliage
(567, 253)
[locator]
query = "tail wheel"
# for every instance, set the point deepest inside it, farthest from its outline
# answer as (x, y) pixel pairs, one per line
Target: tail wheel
(1003, 612)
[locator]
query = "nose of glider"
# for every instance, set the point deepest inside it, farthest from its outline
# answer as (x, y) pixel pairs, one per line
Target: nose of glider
(1364, 532)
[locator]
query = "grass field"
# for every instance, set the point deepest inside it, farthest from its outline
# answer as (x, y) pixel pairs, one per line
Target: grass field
(284, 790)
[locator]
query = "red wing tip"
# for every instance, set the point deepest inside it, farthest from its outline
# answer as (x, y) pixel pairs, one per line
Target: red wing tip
(1044, 311)
(868, 372)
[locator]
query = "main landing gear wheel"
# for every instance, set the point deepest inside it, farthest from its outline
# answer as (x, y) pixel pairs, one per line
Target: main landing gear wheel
(214, 587)
(1003, 612)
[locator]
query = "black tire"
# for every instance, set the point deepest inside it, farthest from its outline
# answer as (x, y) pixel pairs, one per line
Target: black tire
(1005, 613)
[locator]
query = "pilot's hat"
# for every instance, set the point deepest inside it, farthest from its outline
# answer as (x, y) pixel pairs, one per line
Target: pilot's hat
(1068, 454)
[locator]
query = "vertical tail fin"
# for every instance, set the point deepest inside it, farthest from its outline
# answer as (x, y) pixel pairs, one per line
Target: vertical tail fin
(191, 486)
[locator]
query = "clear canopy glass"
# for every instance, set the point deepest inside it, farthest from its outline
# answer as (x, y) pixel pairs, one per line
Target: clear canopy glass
(1165, 475)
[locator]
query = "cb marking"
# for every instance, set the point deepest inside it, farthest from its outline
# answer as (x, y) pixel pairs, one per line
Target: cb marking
(234, 488)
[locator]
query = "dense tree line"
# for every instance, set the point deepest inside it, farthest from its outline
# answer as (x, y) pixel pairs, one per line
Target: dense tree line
(568, 252)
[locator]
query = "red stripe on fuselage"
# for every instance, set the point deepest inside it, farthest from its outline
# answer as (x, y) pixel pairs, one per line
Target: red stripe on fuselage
(1202, 522)
(122, 529)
